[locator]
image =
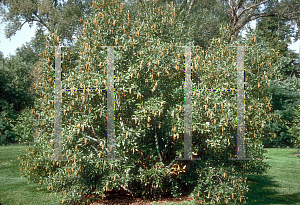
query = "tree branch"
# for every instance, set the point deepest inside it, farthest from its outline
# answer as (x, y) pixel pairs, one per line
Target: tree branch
(255, 5)
(95, 149)
(126, 189)
(172, 162)
(256, 16)
(232, 4)
(156, 142)
(142, 2)
(189, 9)
(96, 140)
(260, 15)
(240, 3)
(24, 23)
(182, 5)
(43, 23)
(93, 130)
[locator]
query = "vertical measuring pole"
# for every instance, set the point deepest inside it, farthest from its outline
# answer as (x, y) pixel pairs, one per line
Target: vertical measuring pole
(188, 108)
(240, 103)
(110, 103)
(240, 106)
(57, 106)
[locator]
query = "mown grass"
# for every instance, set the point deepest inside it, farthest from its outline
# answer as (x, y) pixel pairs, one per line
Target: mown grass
(280, 185)
(13, 189)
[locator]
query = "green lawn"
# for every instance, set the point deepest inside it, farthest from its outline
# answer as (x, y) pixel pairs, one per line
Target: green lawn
(13, 189)
(280, 185)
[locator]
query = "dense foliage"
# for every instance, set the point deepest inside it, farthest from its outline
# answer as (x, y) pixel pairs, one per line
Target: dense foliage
(149, 114)
(14, 91)
(285, 98)
(285, 91)
(295, 128)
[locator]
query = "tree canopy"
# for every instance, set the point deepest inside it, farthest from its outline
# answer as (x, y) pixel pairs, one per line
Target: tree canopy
(55, 16)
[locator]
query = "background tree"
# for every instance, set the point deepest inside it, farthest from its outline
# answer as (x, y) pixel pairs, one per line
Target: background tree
(285, 99)
(15, 96)
(1, 56)
(54, 16)
(236, 12)
(30, 51)
(278, 32)
(62, 17)
(289, 9)
(27, 56)
(294, 130)
(203, 19)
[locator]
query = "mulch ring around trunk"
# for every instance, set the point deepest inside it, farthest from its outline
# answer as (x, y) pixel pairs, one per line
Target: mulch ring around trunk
(122, 197)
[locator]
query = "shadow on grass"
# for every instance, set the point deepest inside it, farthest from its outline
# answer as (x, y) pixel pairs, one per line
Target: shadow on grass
(262, 190)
